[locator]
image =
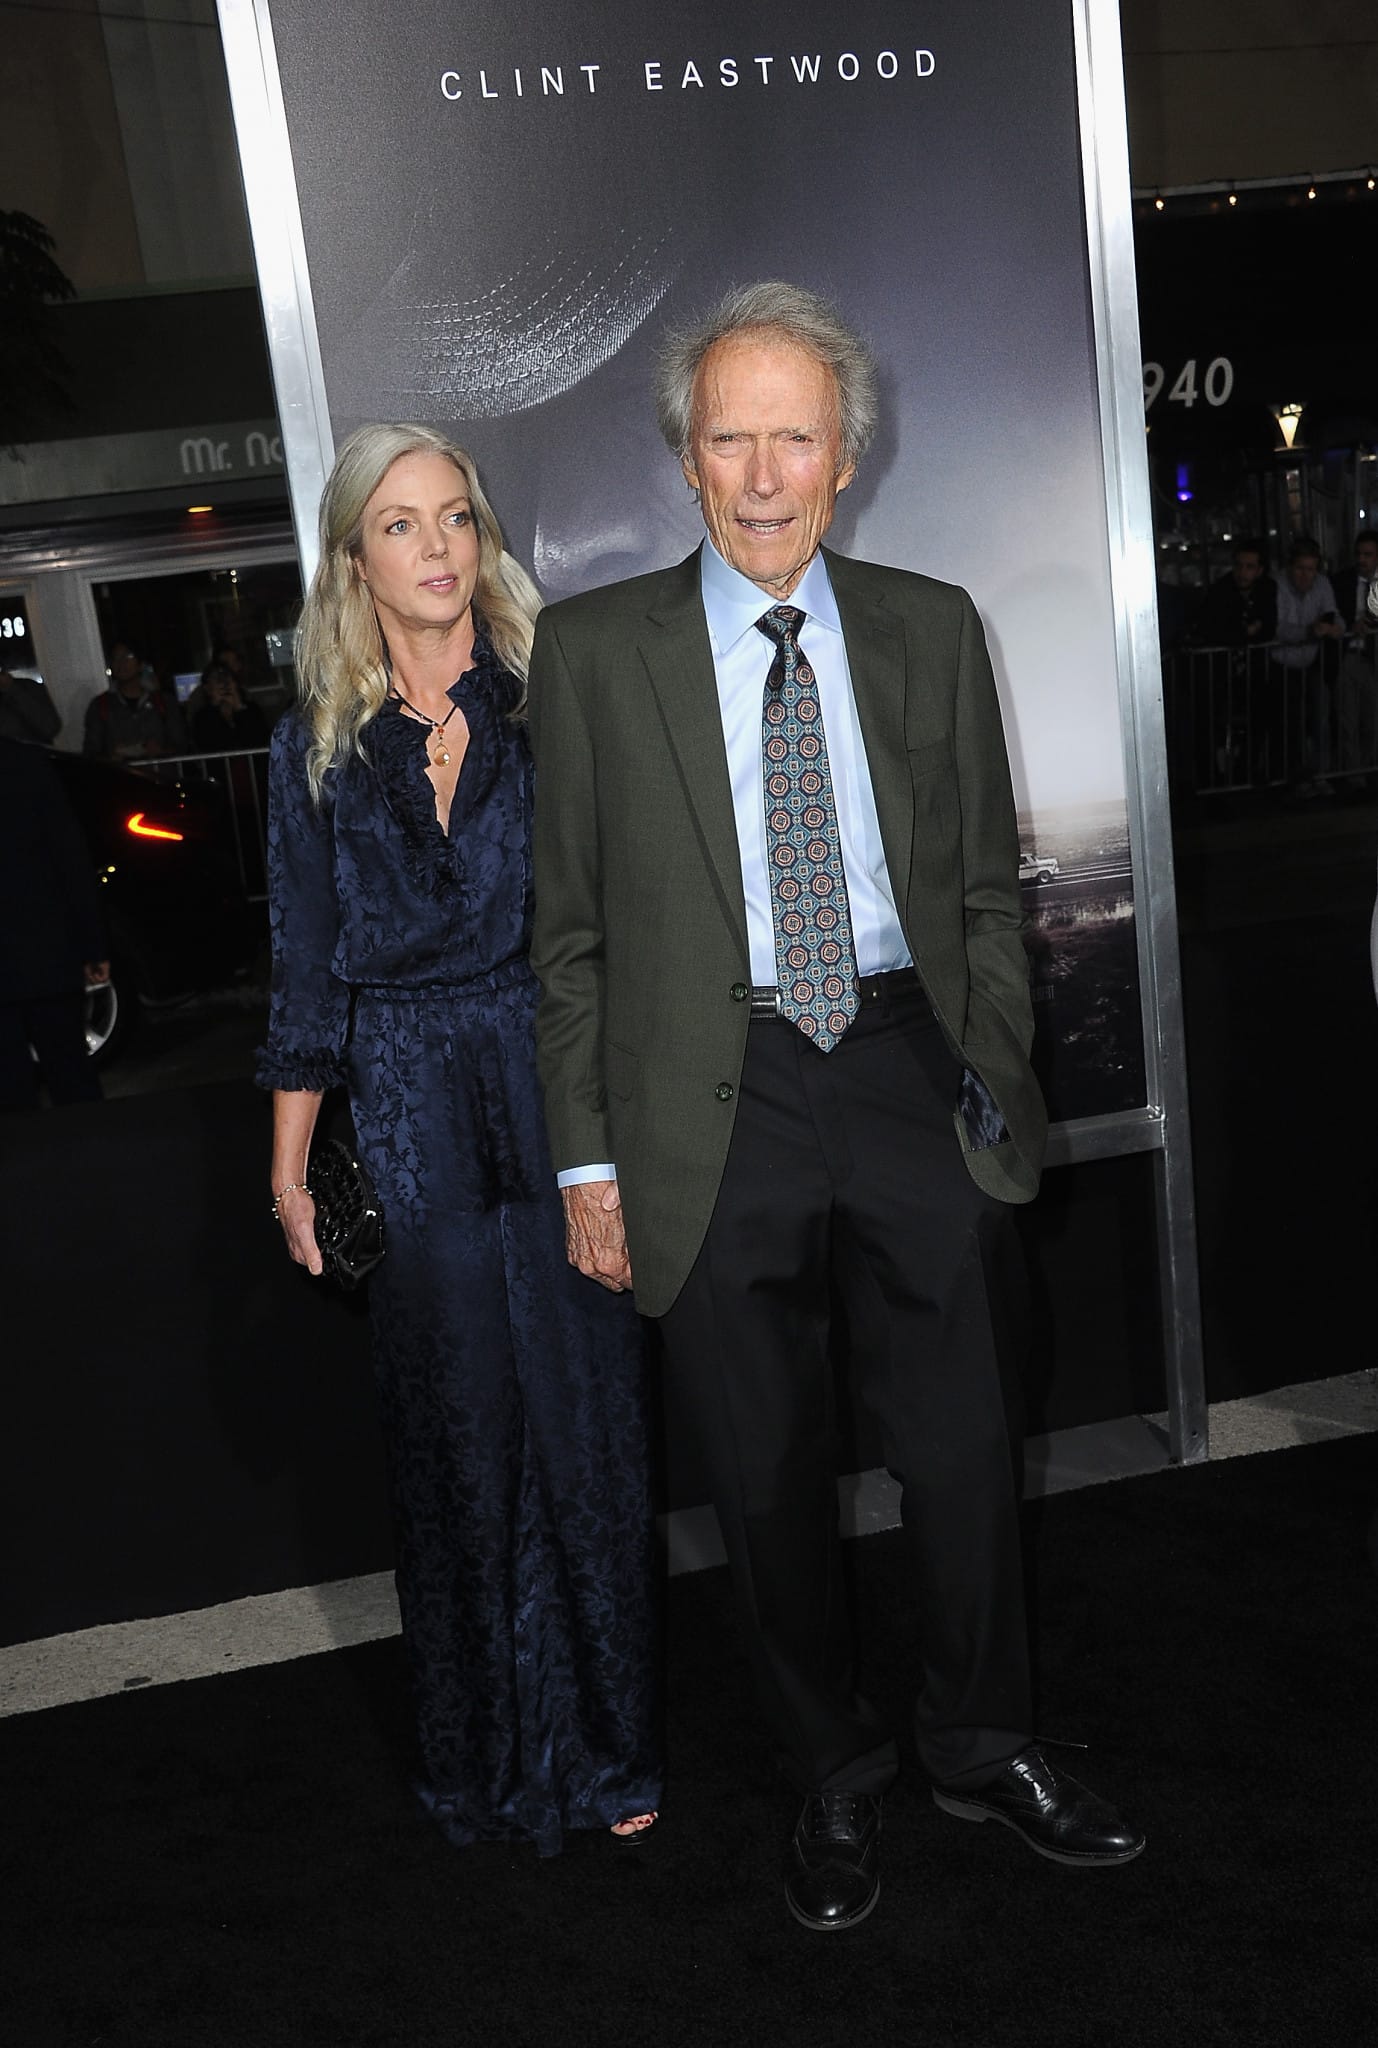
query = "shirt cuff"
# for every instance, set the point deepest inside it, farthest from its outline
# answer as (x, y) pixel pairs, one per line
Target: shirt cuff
(575, 1176)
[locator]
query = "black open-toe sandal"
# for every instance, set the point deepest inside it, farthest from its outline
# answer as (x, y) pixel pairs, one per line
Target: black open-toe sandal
(629, 1840)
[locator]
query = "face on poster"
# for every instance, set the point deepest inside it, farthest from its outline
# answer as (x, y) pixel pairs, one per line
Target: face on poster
(504, 208)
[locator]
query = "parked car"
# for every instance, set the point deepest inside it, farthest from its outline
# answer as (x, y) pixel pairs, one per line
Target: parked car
(177, 916)
(1037, 867)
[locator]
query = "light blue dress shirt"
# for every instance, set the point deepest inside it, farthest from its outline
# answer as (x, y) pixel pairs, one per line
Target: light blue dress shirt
(742, 656)
(741, 663)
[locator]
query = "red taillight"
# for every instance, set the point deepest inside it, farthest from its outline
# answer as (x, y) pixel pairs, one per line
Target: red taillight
(138, 825)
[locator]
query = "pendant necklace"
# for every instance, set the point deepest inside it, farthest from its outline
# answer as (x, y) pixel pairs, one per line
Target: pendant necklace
(441, 757)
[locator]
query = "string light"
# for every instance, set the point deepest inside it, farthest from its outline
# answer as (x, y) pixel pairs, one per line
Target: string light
(1219, 195)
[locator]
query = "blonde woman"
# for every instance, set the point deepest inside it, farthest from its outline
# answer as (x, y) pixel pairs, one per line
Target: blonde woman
(512, 1389)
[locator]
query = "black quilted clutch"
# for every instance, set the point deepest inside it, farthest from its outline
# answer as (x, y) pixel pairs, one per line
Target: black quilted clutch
(349, 1222)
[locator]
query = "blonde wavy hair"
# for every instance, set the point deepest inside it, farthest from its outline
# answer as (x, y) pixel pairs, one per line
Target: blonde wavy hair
(342, 658)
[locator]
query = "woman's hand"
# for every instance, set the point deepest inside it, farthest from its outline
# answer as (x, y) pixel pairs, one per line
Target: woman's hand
(297, 1215)
(294, 1119)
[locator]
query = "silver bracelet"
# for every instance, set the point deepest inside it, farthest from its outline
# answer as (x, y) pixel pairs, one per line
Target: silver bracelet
(298, 1186)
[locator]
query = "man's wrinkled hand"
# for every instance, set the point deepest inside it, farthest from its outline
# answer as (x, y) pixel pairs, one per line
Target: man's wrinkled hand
(595, 1240)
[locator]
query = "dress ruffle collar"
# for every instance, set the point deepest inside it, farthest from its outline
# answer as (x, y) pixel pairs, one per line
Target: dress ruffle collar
(397, 747)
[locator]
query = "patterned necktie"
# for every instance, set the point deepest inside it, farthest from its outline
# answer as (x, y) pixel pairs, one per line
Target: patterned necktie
(815, 965)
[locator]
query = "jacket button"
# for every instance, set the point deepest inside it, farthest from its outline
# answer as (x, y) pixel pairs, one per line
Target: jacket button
(739, 991)
(723, 1091)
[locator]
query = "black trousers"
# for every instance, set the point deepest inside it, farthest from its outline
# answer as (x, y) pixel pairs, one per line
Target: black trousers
(845, 1173)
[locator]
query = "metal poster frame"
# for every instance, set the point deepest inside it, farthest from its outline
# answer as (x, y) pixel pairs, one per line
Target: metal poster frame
(1162, 1127)
(284, 282)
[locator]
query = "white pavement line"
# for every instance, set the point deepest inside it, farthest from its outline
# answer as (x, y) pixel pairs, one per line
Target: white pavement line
(693, 1540)
(1312, 1412)
(273, 1628)
(1092, 1454)
(270, 1628)
(867, 1502)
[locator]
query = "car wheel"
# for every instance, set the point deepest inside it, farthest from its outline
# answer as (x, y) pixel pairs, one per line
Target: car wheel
(112, 1016)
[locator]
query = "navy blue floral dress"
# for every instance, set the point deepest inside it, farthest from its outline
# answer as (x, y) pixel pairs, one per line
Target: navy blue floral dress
(512, 1389)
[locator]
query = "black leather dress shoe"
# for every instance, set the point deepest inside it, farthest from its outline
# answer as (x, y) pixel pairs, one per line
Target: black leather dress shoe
(1055, 1815)
(832, 1878)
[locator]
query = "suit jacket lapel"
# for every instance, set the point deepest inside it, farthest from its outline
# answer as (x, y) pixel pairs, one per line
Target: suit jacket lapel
(678, 658)
(877, 658)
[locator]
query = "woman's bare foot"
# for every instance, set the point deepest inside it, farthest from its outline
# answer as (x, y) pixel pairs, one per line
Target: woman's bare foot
(632, 1829)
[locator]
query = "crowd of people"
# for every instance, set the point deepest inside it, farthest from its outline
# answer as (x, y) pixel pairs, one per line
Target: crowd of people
(135, 718)
(1281, 682)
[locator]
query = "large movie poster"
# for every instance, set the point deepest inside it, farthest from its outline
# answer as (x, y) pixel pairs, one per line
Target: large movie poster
(504, 205)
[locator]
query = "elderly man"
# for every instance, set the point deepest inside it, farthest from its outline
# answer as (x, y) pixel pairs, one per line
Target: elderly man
(784, 1040)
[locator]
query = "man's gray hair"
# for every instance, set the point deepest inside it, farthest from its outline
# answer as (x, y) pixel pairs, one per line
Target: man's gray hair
(795, 316)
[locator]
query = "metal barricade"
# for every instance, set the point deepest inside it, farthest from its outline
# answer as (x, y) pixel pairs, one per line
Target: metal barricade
(240, 777)
(1278, 716)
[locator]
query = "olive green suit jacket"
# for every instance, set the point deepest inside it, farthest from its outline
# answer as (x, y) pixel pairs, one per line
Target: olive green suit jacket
(640, 936)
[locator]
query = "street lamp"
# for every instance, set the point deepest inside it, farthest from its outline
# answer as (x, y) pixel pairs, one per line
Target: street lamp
(1288, 419)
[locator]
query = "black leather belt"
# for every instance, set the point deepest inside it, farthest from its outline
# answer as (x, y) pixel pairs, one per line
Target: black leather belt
(871, 988)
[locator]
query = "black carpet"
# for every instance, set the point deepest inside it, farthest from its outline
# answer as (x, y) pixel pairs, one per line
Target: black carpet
(237, 1860)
